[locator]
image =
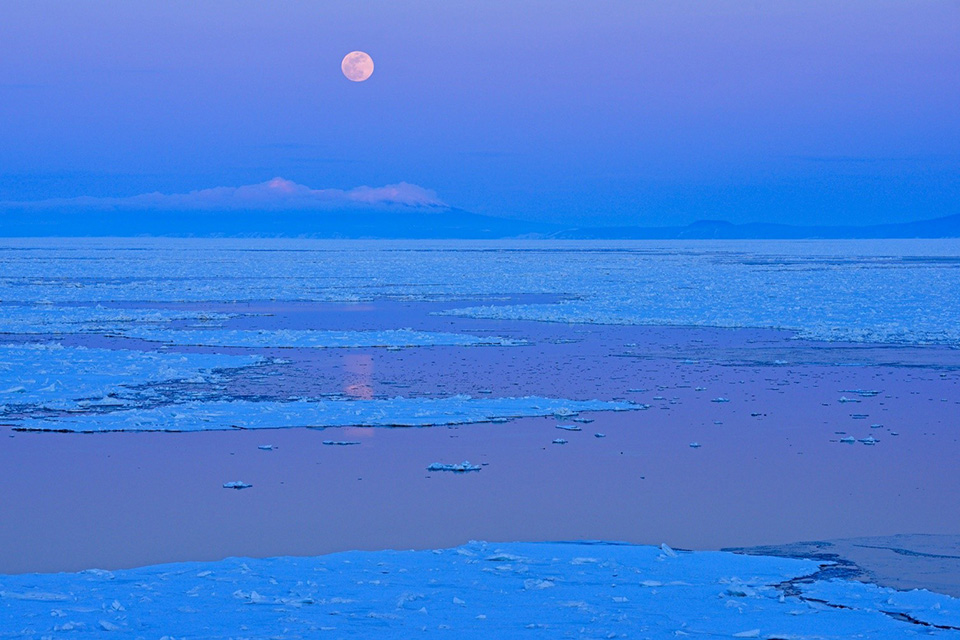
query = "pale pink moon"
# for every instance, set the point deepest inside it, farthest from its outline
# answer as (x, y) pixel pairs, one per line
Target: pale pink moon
(357, 66)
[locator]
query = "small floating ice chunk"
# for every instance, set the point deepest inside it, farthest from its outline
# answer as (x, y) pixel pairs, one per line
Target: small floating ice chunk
(265, 447)
(460, 467)
(537, 583)
(720, 399)
(559, 441)
(848, 440)
(869, 440)
(694, 445)
(505, 557)
(599, 435)
(569, 427)
(863, 393)
(668, 550)
(340, 443)
(236, 484)
(845, 399)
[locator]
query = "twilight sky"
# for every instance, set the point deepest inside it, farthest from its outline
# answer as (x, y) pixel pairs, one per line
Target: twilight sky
(615, 112)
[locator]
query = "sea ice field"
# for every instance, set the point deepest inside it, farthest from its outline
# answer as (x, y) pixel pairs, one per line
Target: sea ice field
(273, 416)
(519, 590)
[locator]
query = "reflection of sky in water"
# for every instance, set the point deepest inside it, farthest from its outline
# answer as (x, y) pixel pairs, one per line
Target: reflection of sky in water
(359, 375)
(354, 433)
(769, 472)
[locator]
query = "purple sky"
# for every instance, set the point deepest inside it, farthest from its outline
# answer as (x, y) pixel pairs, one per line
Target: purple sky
(603, 113)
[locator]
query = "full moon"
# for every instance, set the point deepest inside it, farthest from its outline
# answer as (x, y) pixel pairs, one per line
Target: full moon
(357, 66)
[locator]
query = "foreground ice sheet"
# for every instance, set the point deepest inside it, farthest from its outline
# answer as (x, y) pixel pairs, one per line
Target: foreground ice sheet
(315, 338)
(53, 376)
(392, 412)
(480, 590)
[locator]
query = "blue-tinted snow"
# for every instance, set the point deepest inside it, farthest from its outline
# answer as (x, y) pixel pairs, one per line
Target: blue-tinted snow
(392, 412)
(876, 290)
(479, 590)
(314, 338)
(54, 376)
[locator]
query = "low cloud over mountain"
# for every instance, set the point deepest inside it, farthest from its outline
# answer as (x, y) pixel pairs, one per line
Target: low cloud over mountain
(275, 195)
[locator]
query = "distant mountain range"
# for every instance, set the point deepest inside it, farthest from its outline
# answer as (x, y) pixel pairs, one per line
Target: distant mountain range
(946, 227)
(400, 221)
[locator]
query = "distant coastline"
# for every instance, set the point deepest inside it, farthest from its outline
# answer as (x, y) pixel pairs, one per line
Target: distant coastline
(944, 227)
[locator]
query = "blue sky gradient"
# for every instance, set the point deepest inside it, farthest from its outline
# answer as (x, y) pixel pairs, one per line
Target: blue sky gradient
(621, 112)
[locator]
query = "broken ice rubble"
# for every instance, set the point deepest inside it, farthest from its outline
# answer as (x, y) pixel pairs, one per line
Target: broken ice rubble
(53, 376)
(713, 285)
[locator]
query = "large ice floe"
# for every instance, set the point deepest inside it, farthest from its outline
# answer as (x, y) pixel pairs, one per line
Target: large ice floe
(868, 290)
(315, 338)
(479, 590)
(53, 376)
(392, 412)
(49, 319)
